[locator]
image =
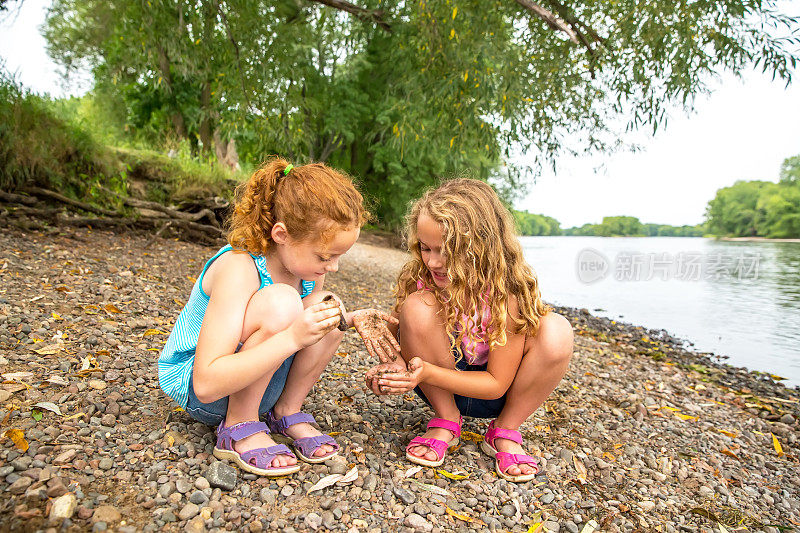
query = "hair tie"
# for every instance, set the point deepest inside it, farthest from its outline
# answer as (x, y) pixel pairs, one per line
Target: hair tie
(288, 169)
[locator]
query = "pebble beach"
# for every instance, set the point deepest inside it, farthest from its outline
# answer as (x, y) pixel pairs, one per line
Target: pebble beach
(641, 435)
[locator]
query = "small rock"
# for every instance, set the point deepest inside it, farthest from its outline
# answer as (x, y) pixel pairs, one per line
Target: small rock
(182, 486)
(198, 497)
(97, 384)
(63, 507)
(195, 525)
(547, 498)
(551, 525)
(202, 483)
(787, 419)
(106, 463)
(190, 510)
(4, 395)
(647, 505)
(417, 522)
(508, 511)
(20, 485)
(107, 514)
(405, 495)
(221, 475)
(313, 520)
(65, 457)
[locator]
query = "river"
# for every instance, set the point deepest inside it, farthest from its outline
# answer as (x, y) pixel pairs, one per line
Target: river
(735, 299)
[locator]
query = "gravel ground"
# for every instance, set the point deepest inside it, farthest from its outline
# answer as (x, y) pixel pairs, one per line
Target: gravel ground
(641, 435)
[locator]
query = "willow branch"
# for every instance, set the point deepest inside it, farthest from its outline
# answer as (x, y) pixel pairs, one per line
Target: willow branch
(367, 15)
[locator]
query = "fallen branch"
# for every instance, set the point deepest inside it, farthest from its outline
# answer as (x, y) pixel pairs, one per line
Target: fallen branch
(17, 198)
(180, 215)
(46, 193)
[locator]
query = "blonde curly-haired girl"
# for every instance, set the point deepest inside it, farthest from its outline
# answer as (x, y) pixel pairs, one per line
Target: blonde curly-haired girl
(258, 330)
(477, 338)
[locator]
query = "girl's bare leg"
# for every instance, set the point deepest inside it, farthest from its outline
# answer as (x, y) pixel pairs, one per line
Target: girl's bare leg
(306, 369)
(270, 310)
(543, 365)
(423, 335)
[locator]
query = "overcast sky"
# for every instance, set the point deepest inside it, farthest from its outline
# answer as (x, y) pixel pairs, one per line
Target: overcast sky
(743, 130)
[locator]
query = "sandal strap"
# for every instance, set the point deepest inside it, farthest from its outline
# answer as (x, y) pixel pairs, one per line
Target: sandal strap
(282, 424)
(449, 425)
(262, 457)
(227, 435)
(439, 447)
(309, 445)
(500, 433)
(506, 460)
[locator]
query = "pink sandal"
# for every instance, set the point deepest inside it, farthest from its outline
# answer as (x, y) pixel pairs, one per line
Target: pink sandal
(505, 460)
(439, 447)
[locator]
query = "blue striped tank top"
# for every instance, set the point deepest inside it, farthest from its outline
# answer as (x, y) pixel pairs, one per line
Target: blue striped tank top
(177, 357)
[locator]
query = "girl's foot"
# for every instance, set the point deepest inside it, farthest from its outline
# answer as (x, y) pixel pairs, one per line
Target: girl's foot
(309, 443)
(303, 430)
(245, 444)
(430, 449)
(509, 446)
(263, 440)
(511, 461)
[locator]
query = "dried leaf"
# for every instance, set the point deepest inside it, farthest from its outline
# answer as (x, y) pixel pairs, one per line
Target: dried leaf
(580, 468)
(474, 437)
(535, 527)
(49, 406)
(721, 528)
(350, 476)
(18, 438)
(325, 482)
(111, 308)
(431, 488)
(686, 417)
(17, 376)
(413, 470)
(50, 349)
(730, 434)
(76, 415)
(463, 517)
(36, 415)
(590, 526)
(153, 332)
(56, 316)
(452, 476)
(726, 451)
(58, 380)
(777, 445)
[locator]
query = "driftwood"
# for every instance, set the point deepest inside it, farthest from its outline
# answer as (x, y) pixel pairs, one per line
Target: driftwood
(151, 214)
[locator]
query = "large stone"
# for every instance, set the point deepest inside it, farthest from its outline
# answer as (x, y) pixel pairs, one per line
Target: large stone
(65, 457)
(106, 513)
(405, 495)
(195, 525)
(21, 485)
(221, 475)
(63, 507)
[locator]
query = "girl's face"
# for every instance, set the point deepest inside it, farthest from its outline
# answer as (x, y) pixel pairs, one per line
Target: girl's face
(311, 259)
(430, 236)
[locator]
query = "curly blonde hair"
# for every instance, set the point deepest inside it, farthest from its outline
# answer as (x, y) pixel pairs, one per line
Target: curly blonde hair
(314, 201)
(483, 258)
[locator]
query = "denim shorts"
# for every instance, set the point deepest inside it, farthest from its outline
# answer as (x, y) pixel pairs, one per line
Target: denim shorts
(473, 407)
(214, 413)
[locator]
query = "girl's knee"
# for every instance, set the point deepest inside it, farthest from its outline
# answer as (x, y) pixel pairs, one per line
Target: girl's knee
(420, 309)
(554, 341)
(273, 308)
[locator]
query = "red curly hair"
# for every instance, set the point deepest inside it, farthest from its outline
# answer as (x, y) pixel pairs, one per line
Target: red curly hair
(313, 201)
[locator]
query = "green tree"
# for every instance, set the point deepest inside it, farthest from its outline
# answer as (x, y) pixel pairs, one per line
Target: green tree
(402, 93)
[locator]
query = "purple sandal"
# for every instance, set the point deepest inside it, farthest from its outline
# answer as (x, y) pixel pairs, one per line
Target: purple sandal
(257, 461)
(306, 446)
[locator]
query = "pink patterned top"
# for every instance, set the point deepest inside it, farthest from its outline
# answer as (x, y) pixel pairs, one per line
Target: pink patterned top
(476, 352)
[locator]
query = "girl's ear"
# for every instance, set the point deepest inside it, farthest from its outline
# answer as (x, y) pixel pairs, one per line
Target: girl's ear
(279, 233)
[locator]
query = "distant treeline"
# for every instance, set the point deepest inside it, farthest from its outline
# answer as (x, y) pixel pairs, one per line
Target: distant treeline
(759, 208)
(622, 226)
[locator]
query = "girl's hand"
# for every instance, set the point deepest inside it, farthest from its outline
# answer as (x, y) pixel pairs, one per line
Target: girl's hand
(374, 373)
(314, 323)
(400, 382)
(371, 325)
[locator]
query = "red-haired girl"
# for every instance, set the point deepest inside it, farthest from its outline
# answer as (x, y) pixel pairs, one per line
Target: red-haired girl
(256, 332)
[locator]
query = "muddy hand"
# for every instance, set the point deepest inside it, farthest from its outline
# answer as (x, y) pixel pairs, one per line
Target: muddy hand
(377, 372)
(402, 381)
(342, 326)
(371, 324)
